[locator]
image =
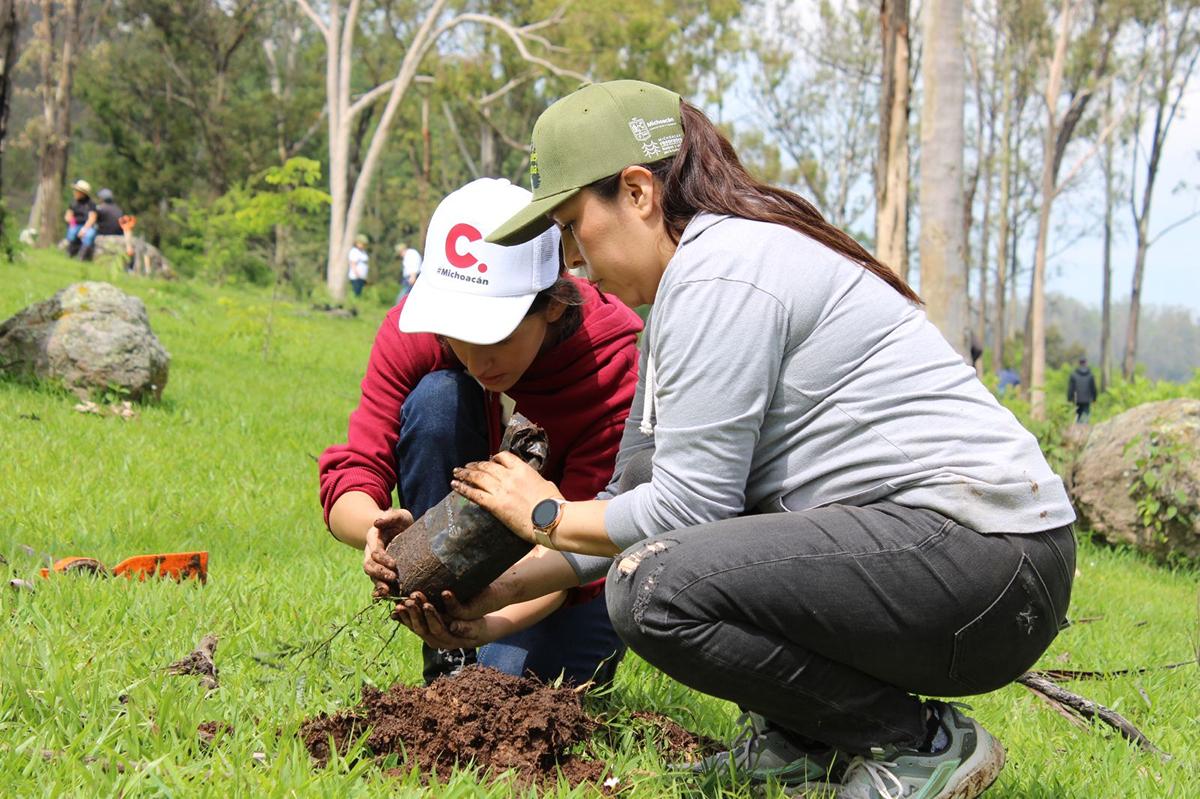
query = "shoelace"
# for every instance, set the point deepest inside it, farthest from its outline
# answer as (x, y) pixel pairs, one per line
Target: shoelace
(877, 770)
(746, 736)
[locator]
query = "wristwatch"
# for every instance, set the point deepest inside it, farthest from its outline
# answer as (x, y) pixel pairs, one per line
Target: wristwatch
(546, 516)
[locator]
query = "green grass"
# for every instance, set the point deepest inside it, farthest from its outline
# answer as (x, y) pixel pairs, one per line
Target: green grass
(227, 463)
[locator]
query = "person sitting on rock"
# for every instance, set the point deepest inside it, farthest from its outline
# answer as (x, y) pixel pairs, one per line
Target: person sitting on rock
(108, 214)
(81, 222)
(485, 321)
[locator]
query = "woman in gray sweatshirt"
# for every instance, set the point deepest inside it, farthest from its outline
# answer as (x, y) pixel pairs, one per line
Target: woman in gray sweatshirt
(818, 512)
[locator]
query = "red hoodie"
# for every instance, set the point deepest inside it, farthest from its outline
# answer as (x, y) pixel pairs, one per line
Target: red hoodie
(579, 391)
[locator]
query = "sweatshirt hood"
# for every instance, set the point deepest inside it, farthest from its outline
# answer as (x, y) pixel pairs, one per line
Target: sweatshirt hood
(606, 328)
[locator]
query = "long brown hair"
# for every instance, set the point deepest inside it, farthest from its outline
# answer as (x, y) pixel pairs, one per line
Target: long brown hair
(707, 176)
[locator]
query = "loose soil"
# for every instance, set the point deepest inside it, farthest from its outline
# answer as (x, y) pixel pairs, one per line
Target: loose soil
(482, 716)
(488, 719)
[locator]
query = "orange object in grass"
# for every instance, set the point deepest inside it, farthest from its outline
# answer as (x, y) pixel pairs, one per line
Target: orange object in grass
(176, 565)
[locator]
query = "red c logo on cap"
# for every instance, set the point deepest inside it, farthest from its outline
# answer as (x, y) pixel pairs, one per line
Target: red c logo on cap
(462, 260)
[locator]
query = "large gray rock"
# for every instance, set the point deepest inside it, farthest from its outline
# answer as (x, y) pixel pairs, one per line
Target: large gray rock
(147, 260)
(1106, 469)
(88, 336)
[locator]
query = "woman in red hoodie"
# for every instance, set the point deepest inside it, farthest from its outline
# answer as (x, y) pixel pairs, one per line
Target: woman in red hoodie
(482, 321)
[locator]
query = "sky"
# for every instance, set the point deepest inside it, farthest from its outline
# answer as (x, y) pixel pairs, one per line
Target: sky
(1076, 246)
(1172, 275)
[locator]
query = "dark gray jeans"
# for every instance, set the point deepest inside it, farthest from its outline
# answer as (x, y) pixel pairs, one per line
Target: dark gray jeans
(828, 621)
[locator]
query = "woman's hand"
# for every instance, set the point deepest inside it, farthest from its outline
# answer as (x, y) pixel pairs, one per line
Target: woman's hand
(378, 565)
(420, 616)
(508, 488)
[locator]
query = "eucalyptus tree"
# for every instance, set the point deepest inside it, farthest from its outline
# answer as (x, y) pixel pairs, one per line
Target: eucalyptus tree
(943, 268)
(1170, 46)
(892, 155)
(1078, 63)
(10, 29)
(419, 33)
(816, 89)
(58, 35)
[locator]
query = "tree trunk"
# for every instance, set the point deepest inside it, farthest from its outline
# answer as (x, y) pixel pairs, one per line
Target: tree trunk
(943, 277)
(426, 166)
(1035, 343)
(891, 165)
(9, 31)
(57, 72)
(1106, 299)
(1177, 56)
(1000, 325)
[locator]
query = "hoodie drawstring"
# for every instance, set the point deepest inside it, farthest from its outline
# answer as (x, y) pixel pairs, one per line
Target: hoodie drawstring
(647, 426)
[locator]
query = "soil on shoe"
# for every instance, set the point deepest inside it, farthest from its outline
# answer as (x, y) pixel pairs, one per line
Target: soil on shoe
(482, 716)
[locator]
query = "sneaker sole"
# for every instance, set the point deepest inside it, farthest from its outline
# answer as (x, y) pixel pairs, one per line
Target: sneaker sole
(979, 771)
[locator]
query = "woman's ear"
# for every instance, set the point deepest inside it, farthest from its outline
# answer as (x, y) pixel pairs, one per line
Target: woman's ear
(637, 185)
(554, 311)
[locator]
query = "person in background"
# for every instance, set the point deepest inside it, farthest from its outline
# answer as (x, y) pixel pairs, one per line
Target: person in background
(410, 267)
(1009, 379)
(358, 266)
(1081, 390)
(108, 215)
(81, 222)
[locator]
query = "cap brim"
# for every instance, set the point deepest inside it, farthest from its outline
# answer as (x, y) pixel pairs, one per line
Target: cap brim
(531, 221)
(466, 317)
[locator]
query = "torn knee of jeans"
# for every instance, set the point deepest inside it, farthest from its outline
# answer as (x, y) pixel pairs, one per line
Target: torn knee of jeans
(645, 590)
(630, 563)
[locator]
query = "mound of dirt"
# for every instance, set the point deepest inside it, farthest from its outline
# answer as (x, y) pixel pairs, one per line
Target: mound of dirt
(482, 716)
(669, 736)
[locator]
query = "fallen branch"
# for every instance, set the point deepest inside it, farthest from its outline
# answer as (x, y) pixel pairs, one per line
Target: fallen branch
(199, 662)
(1058, 675)
(1087, 709)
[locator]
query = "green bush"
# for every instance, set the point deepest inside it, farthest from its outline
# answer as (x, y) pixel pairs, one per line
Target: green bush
(1125, 394)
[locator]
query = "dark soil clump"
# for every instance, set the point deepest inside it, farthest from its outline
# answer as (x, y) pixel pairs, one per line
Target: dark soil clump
(670, 736)
(482, 716)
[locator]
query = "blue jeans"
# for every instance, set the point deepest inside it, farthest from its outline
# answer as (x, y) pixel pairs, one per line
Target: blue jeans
(443, 424)
(74, 240)
(356, 284)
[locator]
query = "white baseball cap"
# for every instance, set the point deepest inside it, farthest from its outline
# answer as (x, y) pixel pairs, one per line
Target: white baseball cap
(472, 290)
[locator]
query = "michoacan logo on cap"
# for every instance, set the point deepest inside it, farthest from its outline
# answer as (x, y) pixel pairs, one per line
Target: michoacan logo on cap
(535, 179)
(456, 258)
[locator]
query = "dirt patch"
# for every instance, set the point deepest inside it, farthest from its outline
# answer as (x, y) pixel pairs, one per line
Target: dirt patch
(209, 731)
(495, 722)
(200, 663)
(668, 735)
(491, 719)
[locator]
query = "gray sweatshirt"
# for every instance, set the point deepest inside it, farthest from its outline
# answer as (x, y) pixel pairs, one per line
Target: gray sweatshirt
(777, 375)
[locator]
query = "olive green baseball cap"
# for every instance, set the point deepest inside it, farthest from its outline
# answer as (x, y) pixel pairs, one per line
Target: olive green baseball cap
(591, 134)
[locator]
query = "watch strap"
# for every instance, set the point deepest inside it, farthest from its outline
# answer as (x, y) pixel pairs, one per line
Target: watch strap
(543, 539)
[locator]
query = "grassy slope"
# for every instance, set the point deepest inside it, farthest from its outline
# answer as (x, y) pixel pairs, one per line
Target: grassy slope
(226, 464)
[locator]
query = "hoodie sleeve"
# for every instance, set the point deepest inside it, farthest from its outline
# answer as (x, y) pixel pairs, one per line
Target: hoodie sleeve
(366, 461)
(716, 347)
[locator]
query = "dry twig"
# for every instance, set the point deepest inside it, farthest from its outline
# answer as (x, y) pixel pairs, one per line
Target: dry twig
(1066, 700)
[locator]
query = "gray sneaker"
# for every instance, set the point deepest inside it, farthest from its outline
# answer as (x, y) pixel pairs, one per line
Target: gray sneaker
(761, 753)
(962, 770)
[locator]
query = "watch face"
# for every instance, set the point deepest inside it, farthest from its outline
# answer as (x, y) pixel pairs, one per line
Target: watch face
(544, 513)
